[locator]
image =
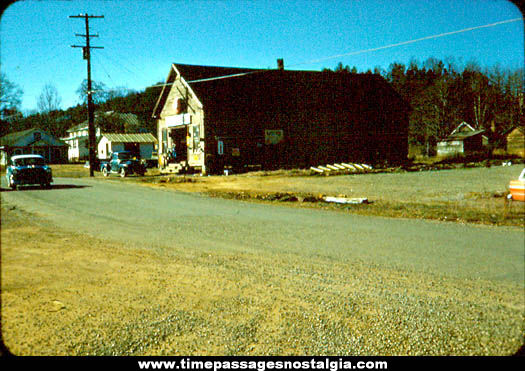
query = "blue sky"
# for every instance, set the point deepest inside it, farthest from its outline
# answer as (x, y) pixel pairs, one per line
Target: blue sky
(142, 38)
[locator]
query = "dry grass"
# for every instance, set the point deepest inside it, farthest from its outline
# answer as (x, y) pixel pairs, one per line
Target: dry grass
(69, 294)
(71, 171)
(465, 195)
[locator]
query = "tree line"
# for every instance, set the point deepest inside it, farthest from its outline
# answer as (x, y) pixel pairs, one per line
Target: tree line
(56, 121)
(440, 94)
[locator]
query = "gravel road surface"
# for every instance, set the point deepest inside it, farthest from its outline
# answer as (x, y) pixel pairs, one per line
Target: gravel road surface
(155, 218)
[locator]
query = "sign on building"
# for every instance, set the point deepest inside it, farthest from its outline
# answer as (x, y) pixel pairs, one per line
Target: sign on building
(178, 120)
(273, 136)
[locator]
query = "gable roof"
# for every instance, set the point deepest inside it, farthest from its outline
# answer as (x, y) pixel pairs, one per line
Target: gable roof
(20, 138)
(11, 138)
(463, 131)
(130, 138)
(78, 127)
(464, 135)
(463, 127)
(194, 73)
(128, 118)
(519, 130)
(226, 86)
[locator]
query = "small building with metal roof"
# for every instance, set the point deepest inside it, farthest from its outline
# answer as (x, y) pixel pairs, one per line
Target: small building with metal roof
(463, 140)
(515, 141)
(78, 139)
(141, 145)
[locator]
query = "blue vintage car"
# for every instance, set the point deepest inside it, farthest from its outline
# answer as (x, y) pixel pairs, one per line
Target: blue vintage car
(28, 170)
(124, 164)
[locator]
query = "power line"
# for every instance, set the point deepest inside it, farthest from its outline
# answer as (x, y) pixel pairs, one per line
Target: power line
(103, 68)
(359, 51)
(226, 76)
(335, 56)
(408, 42)
(118, 64)
(213, 78)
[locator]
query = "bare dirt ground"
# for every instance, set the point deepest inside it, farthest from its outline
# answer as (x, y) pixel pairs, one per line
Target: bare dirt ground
(68, 293)
(71, 294)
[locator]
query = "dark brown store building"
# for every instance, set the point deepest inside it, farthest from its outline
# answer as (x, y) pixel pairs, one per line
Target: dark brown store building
(210, 118)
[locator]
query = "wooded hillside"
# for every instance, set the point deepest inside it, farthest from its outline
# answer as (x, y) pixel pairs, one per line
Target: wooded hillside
(440, 94)
(57, 122)
(441, 97)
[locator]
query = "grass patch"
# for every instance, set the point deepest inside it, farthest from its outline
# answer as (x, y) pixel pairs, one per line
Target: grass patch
(465, 195)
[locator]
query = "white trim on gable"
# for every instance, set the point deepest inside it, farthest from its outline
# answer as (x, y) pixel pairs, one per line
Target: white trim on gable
(464, 123)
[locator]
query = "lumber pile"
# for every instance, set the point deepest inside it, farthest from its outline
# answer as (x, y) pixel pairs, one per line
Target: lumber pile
(339, 168)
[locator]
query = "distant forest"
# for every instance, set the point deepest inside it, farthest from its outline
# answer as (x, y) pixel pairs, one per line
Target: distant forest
(440, 95)
(58, 121)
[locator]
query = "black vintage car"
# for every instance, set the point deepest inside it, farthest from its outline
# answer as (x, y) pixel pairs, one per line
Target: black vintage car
(122, 163)
(28, 170)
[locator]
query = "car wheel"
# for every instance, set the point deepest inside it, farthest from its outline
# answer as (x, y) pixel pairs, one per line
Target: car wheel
(123, 173)
(105, 171)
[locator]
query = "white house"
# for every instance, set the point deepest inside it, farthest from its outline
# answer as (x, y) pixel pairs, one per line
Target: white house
(143, 145)
(78, 142)
(78, 137)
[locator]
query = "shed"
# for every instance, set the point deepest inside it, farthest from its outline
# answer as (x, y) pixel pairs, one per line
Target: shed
(463, 140)
(142, 145)
(33, 141)
(516, 141)
(110, 121)
(216, 117)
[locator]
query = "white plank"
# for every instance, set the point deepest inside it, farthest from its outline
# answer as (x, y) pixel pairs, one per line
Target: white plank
(349, 166)
(346, 200)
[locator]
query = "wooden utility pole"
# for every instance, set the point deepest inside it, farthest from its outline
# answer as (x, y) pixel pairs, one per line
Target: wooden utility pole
(87, 55)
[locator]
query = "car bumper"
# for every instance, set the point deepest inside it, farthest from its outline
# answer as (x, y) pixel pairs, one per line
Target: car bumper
(135, 169)
(22, 179)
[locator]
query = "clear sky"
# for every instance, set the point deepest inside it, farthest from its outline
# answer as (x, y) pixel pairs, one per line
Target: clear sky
(142, 38)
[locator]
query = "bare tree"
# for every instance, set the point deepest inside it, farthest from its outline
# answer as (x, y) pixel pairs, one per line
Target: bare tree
(99, 92)
(10, 96)
(49, 100)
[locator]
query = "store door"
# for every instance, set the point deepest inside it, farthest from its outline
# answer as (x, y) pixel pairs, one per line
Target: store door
(179, 143)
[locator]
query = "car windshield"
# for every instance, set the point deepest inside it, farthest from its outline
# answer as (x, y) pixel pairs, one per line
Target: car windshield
(28, 161)
(124, 156)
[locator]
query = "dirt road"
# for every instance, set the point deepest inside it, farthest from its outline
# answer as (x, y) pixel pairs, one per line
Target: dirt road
(156, 219)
